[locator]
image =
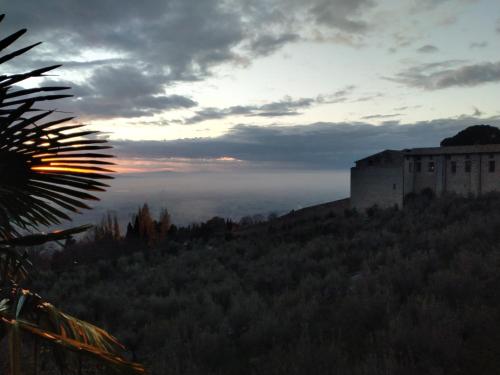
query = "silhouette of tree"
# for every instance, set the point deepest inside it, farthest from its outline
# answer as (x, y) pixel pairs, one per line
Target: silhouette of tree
(48, 167)
(474, 135)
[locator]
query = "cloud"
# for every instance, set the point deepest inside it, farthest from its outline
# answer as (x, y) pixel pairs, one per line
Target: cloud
(163, 42)
(478, 44)
(285, 107)
(381, 116)
(428, 48)
(267, 44)
(122, 91)
(427, 5)
(342, 14)
(477, 112)
(314, 146)
(181, 39)
(446, 74)
(338, 96)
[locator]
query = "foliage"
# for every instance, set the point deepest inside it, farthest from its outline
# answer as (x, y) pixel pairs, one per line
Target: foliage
(413, 291)
(474, 135)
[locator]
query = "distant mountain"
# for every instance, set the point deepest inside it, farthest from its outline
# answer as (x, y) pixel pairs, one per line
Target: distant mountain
(474, 135)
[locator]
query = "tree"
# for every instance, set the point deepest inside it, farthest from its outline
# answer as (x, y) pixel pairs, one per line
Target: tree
(164, 224)
(474, 135)
(48, 167)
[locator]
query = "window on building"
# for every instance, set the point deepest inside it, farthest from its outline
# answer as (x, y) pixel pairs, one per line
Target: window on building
(467, 157)
(418, 167)
(492, 156)
(453, 167)
(393, 186)
(467, 166)
(491, 166)
(431, 167)
(410, 167)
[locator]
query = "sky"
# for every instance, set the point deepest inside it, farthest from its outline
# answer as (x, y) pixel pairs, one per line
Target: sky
(266, 86)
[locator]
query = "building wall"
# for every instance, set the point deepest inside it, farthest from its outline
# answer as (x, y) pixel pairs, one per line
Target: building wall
(443, 179)
(490, 181)
(376, 185)
(384, 182)
(462, 182)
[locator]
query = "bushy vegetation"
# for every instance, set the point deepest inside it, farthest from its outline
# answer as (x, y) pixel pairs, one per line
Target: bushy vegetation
(413, 291)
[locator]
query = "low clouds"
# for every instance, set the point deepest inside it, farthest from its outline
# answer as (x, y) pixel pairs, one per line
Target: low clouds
(447, 74)
(316, 146)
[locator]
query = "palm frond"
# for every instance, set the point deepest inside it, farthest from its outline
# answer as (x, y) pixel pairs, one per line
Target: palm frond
(50, 166)
(28, 313)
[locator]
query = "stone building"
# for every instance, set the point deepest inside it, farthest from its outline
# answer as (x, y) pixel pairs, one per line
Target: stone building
(387, 177)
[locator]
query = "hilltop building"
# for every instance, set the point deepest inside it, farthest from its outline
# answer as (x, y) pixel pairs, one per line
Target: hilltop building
(385, 178)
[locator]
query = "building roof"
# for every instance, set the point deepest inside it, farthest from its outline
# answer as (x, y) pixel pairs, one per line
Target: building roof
(473, 149)
(386, 154)
(386, 158)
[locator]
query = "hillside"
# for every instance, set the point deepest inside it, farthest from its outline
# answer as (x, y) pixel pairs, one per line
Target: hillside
(413, 291)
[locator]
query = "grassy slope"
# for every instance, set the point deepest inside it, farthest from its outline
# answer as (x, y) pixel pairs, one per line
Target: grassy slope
(415, 291)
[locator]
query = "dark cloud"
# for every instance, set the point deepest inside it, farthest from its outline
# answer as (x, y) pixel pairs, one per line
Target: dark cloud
(428, 48)
(316, 146)
(446, 74)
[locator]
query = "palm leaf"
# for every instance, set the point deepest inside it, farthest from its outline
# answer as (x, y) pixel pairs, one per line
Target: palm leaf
(39, 319)
(51, 164)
